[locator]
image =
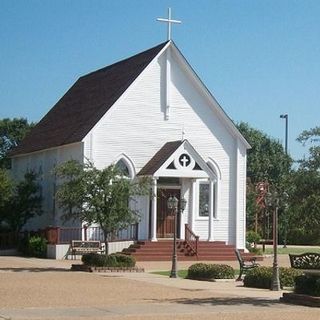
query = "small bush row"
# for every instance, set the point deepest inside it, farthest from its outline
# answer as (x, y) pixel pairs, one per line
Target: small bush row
(308, 284)
(261, 277)
(33, 246)
(203, 271)
(112, 260)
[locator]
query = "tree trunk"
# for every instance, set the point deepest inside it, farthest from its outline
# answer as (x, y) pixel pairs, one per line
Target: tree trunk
(105, 235)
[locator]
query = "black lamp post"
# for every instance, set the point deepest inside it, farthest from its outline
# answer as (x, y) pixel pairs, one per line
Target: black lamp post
(272, 201)
(285, 116)
(285, 231)
(173, 205)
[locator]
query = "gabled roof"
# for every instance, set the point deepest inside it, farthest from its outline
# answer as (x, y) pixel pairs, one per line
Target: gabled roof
(160, 158)
(78, 111)
(177, 159)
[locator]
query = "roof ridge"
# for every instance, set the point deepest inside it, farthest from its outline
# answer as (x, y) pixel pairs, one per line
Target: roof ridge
(124, 60)
(86, 101)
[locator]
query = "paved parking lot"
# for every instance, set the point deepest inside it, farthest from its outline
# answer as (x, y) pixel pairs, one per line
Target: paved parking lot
(46, 289)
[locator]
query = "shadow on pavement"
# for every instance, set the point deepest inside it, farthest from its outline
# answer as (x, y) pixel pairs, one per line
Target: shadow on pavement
(34, 269)
(257, 302)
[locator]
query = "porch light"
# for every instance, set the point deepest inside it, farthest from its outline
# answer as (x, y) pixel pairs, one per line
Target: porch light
(172, 203)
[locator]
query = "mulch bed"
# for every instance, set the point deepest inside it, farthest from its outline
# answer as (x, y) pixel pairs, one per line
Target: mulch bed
(85, 268)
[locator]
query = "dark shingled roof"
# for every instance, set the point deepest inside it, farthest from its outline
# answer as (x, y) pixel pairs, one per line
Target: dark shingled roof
(160, 158)
(76, 113)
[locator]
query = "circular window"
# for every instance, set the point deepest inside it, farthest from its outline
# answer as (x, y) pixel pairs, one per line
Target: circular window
(184, 160)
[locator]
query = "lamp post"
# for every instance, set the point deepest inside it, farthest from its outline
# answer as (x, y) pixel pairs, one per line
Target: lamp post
(272, 201)
(285, 116)
(172, 204)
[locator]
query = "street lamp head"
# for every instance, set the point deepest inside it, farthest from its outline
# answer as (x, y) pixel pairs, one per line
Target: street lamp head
(172, 203)
(284, 116)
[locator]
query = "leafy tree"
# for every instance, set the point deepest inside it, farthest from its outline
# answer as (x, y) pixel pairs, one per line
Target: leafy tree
(6, 189)
(98, 196)
(305, 193)
(311, 137)
(11, 133)
(266, 162)
(6, 186)
(23, 203)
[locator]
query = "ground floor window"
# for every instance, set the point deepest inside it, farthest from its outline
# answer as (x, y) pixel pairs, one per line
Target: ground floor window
(204, 199)
(204, 204)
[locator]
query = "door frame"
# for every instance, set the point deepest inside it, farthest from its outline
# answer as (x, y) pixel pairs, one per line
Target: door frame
(174, 187)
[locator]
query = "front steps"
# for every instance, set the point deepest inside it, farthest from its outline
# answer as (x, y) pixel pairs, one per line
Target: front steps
(162, 251)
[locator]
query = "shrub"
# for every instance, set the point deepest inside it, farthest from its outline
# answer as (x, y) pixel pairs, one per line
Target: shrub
(122, 260)
(253, 237)
(258, 278)
(34, 246)
(261, 277)
(203, 271)
(94, 259)
(112, 260)
(288, 276)
(308, 284)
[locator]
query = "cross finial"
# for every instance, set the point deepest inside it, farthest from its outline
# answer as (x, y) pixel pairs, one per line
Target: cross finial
(169, 21)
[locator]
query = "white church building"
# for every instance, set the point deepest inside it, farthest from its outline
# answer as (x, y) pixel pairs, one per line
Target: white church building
(152, 115)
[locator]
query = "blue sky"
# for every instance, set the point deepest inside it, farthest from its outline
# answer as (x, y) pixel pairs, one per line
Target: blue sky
(259, 58)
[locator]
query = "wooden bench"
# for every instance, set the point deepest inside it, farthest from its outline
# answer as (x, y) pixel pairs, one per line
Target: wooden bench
(81, 247)
(245, 264)
(306, 261)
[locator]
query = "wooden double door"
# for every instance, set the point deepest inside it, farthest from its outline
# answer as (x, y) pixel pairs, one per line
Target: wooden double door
(165, 216)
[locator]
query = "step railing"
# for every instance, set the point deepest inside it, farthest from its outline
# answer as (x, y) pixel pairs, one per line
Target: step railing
(191, 239)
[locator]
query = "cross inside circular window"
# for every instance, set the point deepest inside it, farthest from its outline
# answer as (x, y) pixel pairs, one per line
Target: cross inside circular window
(184, 160)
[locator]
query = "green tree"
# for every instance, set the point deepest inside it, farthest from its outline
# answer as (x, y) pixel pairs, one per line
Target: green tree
(23, 204)
(305, 193)
(99, 196)
(6, 189)
(12, 131)
(266, 162)
(311, 138)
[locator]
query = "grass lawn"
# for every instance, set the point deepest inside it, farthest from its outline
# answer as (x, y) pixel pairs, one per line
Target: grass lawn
(294, 250)
(181, 273)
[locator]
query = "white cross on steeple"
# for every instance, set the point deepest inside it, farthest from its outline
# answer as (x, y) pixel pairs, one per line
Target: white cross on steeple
(169, 21)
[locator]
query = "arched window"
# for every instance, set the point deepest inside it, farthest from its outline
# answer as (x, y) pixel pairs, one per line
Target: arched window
(216, 187)
(123, 168)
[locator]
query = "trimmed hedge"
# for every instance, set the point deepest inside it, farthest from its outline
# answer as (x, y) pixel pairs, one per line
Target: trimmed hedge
(261, 277)
(112, 260)
(308, 284)
(34, 246)
(203, 271)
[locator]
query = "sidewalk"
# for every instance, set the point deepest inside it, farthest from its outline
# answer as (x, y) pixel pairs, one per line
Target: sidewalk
(34, 289)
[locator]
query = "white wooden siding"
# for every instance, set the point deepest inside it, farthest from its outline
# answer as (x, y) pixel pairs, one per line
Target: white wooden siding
(46, 159)
(136, 126)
